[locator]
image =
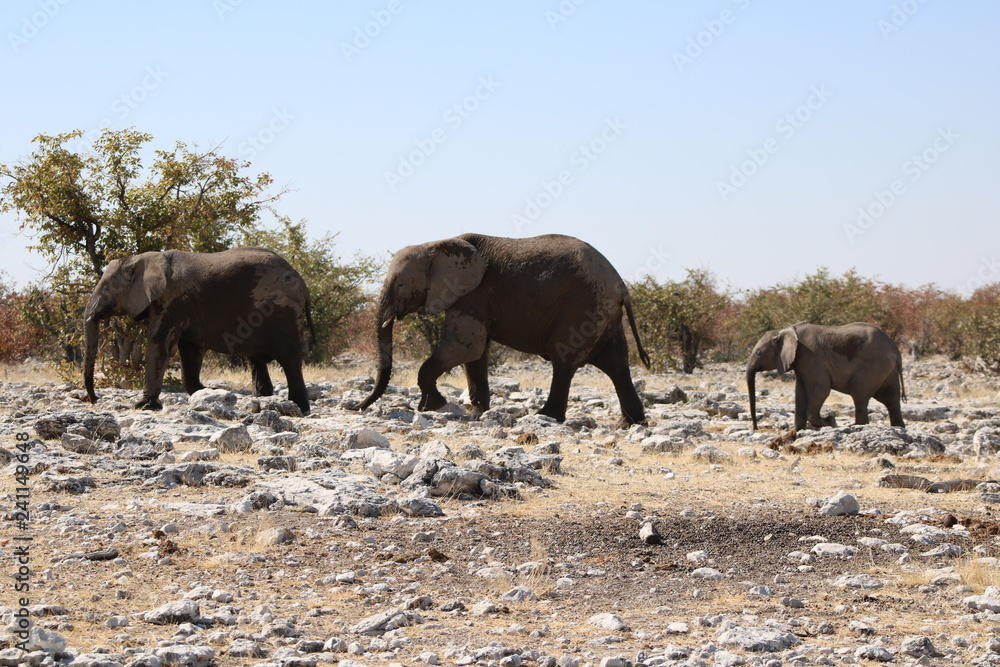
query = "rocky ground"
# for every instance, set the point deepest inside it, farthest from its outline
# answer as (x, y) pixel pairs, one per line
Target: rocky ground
(231, 530)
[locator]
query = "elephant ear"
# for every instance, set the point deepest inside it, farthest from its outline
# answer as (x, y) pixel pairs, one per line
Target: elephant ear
(789, 344)
(456, 268)
(148, 283)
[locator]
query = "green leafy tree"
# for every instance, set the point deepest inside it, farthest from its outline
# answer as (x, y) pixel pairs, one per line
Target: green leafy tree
(21, 337)
(337, 290)
(85, 208)
(822, 299)
(679, 318)
(981, 325)
(818, 298)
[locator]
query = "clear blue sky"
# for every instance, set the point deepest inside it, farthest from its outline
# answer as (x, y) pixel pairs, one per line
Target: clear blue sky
(741, 136)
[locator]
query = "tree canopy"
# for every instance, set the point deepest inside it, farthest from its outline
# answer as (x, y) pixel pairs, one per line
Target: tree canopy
(87, 208)
(84, 207)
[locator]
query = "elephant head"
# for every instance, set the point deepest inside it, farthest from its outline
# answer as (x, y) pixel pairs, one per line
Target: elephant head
(774, 351)
(128, 286)
(428, 279)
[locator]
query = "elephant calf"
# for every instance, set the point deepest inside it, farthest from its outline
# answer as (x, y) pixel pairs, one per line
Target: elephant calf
(246, 301)
(551, 295)
(857, 359)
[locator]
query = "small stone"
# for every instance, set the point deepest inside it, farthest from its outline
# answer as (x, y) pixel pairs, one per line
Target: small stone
(833, 549)
(519, 594)
(917, 647)
(232, 439)
(184, 655)
(245, 648)
(862, 581)
(757, 640)
(607, 622)
(874, 652)
(40, 639)
(649, 534)
(706, 573)
(840, 504)
(483, 608)
(182, 611)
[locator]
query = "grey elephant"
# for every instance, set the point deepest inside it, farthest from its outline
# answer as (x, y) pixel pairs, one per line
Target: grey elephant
(246, 301)
(551, 295)
(857, 359)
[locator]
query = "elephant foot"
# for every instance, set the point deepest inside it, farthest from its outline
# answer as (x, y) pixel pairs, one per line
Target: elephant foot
(431, 402)
(558, 416)
(149, 404)
(626, 422)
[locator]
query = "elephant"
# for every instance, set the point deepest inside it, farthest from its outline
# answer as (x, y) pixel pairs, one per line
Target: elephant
(857, 359)
(552, 295)
(247, 302)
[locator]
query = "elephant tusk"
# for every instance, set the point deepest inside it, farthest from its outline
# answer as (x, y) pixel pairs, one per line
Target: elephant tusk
(387, 323)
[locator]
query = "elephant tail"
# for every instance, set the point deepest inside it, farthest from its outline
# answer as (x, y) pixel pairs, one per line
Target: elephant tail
(312, 342)
(635, 332)
(902, 389)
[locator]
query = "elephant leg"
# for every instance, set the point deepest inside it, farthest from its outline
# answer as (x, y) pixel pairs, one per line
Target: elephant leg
(464, 341)
(296, 383)
(191, 357)
(478, 376)
(816, 395)
(555, 404)
(613, 360)
(160, 343)
(801, 398)
(890, 397)
(261, 378)
(861, 409)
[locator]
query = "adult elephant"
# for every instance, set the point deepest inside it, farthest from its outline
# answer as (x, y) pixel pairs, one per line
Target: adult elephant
(246, 301)
(551, 295)
(857, 359)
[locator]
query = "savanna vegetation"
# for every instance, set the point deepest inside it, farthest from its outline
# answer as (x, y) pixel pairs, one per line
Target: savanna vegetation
(696, 320)
(81, 204)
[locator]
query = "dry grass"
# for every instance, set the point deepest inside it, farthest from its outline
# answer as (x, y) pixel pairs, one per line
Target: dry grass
(589, 486)
(35, 372)
(977, 575)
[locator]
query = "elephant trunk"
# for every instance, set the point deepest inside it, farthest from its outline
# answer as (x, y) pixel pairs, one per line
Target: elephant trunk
(385, 321)
(91, 327)
(752, 390)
